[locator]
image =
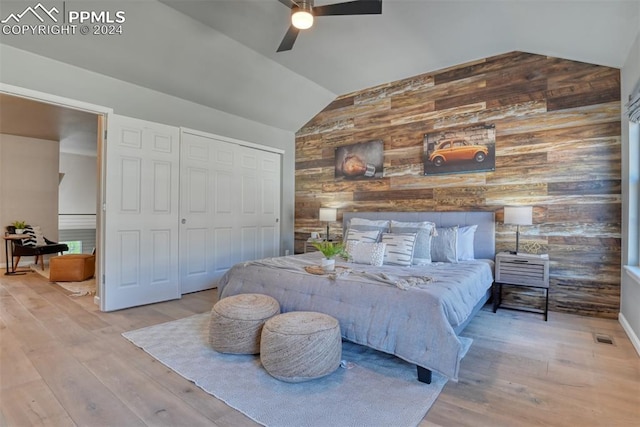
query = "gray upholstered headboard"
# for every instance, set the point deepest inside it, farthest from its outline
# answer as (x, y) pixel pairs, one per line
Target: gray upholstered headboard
(484, 244)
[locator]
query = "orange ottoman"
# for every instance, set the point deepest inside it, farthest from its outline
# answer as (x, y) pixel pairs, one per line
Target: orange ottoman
(72, 267)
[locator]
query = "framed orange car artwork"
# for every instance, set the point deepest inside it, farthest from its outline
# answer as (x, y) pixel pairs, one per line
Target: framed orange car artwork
(470, 149)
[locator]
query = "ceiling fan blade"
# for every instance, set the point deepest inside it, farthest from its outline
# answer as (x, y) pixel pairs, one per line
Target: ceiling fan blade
(289, 39)
(288, 3)
(356, 7)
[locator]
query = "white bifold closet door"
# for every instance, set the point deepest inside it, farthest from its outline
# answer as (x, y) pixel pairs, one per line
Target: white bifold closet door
(140, 213)
(229, 207)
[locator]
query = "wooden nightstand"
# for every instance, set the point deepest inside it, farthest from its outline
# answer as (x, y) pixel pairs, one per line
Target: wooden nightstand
(308, 245)
(521, 270)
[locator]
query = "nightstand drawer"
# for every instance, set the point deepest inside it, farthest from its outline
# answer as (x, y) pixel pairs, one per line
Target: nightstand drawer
(522, 271)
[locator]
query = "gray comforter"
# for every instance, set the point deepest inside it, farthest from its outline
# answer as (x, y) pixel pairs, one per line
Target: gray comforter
(410, 312)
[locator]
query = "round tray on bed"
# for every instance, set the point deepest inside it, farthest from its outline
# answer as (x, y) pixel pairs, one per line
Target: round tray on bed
(318, 270)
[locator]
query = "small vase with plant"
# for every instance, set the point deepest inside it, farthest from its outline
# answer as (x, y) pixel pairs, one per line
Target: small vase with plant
(330, 250)
(19, 226)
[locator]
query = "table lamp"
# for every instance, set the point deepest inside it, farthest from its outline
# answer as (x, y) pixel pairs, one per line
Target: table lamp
(328, 215)
(518, 215)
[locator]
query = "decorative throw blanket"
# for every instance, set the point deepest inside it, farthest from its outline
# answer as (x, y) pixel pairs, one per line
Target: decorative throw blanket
(406, 282)
(295, 264)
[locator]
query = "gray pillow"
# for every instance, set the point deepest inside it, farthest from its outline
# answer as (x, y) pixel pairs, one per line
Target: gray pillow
(444, 246)
(424, 231)
(362, 224)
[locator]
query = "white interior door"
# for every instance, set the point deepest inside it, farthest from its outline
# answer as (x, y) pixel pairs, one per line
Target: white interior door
(230, 207)
(200, 182)
(260, 209)
(141, 213)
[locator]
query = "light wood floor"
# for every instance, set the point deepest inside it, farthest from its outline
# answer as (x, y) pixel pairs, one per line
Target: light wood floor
(63, 362)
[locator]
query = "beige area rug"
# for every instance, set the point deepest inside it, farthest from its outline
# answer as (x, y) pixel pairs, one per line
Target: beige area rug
(77, 289)
(373, 389)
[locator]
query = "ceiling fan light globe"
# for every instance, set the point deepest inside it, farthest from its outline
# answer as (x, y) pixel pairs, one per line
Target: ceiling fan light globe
(302, 19)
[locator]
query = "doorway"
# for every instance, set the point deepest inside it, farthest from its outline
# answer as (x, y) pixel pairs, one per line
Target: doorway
(76, 128)
(76, 133)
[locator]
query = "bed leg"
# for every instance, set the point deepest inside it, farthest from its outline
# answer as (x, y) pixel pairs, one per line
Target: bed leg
(424, 375)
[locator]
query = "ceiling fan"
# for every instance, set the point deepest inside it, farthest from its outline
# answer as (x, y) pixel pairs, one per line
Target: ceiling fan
(303, 12)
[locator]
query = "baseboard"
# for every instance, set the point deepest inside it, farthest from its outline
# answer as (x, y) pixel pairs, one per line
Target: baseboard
(630, 332)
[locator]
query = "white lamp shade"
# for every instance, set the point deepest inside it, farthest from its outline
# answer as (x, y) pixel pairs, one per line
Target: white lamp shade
(302, 19)
(518, 215)
(328, 214)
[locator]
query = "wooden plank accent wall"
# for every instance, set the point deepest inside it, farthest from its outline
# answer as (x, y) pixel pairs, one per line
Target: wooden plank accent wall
(558, 149)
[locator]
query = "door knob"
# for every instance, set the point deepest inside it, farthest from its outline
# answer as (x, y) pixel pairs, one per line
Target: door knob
(184, 220)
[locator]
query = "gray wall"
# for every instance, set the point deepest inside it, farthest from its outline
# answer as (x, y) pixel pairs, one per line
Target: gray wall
(27, 70)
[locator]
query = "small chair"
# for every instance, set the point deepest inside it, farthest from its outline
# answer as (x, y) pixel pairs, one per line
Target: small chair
(19, 249)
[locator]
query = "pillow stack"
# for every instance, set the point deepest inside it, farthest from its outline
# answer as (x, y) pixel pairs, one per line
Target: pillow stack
(362, 241)
(378, 242)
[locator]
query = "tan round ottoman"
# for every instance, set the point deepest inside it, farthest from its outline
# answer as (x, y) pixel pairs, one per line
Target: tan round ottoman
(236, 322)
(300, 346)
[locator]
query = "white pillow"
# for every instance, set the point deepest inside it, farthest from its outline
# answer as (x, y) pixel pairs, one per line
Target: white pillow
(361, 236)
(366, 253)
(399, 248)
(36, 237)
(466, 236)
(444, 246)
(424, 231)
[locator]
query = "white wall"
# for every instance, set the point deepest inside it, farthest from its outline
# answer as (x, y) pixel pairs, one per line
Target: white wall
(630, 282)
(27, 70)
(29, 184)
(78, 189)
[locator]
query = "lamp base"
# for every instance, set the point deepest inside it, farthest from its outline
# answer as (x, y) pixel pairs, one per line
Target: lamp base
(517, 241)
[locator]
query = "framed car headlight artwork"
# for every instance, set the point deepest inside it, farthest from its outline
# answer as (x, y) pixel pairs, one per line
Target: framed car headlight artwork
(363, 160)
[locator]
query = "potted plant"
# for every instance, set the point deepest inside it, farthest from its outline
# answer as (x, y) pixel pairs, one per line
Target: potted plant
(329, 250)
(19, 226)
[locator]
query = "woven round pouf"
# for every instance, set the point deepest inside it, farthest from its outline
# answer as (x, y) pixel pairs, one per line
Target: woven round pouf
(236, 322)
(300, 346)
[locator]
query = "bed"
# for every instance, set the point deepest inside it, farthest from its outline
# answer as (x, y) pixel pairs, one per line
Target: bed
(414, 312)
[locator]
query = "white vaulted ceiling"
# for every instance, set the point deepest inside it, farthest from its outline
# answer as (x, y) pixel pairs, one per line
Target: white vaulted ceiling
(222, 53)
